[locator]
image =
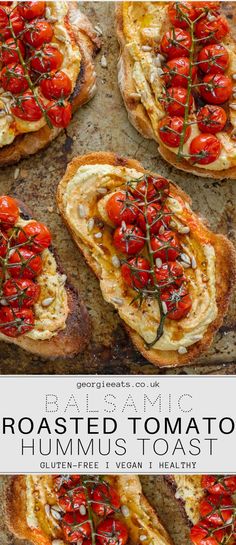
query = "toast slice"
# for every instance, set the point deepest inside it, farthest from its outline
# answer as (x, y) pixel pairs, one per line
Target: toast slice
(89, 44)
(70, 198)
(68, 341)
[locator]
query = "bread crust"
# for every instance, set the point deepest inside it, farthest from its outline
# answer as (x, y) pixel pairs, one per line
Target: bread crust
(71, 340)
(136, 112)
(84, 35)
(225, 265)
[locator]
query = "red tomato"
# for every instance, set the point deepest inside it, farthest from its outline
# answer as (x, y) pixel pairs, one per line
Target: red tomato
(59, 113)
(212, 31)
(3, 244)
(210, 509)
(205, 149)
(136, 273)
(24, 263)
(76, 527)
(217, 88)
(30, 10)
(47, 59)
(36, 235)
(177, 71)
(58, 85)
(219, 485)
(27, 108)
(39, 34)
(13, 79)
(112, 532)
(71, 500)
(179, 11)
(170, 129)
(176, 43)
(129, 240)
(120, 208)
(165, 246)
(3, 20)
(156, 216)
(9, 211)
(213, 59)
(105, 500)
(211, 119)
(175, 99)
(9, 53)
(21, 292)
(14, 323)
(206, 7)
(178, 302)
(16, 21)
(67, 481)
(154, 189)
(204, 534)
(170, 272)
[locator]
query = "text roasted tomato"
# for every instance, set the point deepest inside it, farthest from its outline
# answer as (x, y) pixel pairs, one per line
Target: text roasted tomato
(213, 508)
(112, 532)
(217, 88)
(204, 534)
(156, 217)
(9, 211)
(170, 129)
(178, 302)
(171, 272)
(24, 263)
(175, 100)
(9, 53)
(21, 292)
(59, 113)
(176, 43)
(165, 246)
(104, 500)
(213, 30)
(76, 527)
(205, 149)
(179, 11)
(14, 323)
(121, 207)
(30, 10)
(46, 60)
(177, 71)
(213, 59)
(71, 500)
(36, 235)
(57, 85)
(38, 34)
(219, 485)
(129, 240)
(27, 108)
(136, 273)
(13, 79)
(211, 119)
(153, 189)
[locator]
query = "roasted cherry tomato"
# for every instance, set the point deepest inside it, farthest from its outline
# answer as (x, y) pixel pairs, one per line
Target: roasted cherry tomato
(9, 211)
(204, 534)
(24, 263)
(3, 244)
(136, 273)
(58, 85)
(178, 302)
(16, 21)
(213, 59)
(76, 527)
(121, 207)
(39, 33)
(176, 43)
(59, 113)
(153, 189)
(165, 246)
(21, 292)
(67, 481)
(217, 88)
(170, 129)
(219, 484)
(112, 532)
(206, 7)
(71, 500)
(212, 31)
(16, 322)
(36, 235)
(104, 500)
(9, 52)
(129, 239)
(27, 108)
(30, 10)
(46, 60)
(170, 272)
(213, 508)
(211, 119)
(205, 149)
(179, 11)
(156, 217)
(175, 99)
(177, 71)
(13, 79)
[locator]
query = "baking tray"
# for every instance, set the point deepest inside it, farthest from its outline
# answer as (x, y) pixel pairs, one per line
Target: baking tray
(156, 491)
(103, 125)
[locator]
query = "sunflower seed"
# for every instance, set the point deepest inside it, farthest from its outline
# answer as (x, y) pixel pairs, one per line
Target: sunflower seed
(115, 261)
(57, 508)
(48, 12)
(160, 71)
(102, 190)
(16, 173)
(164, 307)
(125, 511)
(98, 235)
(211, 17)
(158, 262)
(48, 301)
(56, 515)
(90, 224)
(2, 113)
(81, 211)
(182, 350)
(82, 510)
(185, 258)
(98, 30)
(47, 510)
(146, 48)
(103, 61)
(194, 263)
(232, 106)
(185, 265)
(3, 302)
(117, 300)
(196, 337)
(183, 230)
(142, 537)
(233, 76)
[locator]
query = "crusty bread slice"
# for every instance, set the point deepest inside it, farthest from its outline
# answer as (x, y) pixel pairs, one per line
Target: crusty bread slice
(225, 264)
(86, 38)
(130, 491)
(75, 336)
(136, 112)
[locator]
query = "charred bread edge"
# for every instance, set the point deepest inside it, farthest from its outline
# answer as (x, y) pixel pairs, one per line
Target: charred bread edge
(75, 336)
(86, 38)
(138, 115)
(225, 264)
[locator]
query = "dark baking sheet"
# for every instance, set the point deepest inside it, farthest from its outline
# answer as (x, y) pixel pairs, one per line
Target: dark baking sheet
(103, 125)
